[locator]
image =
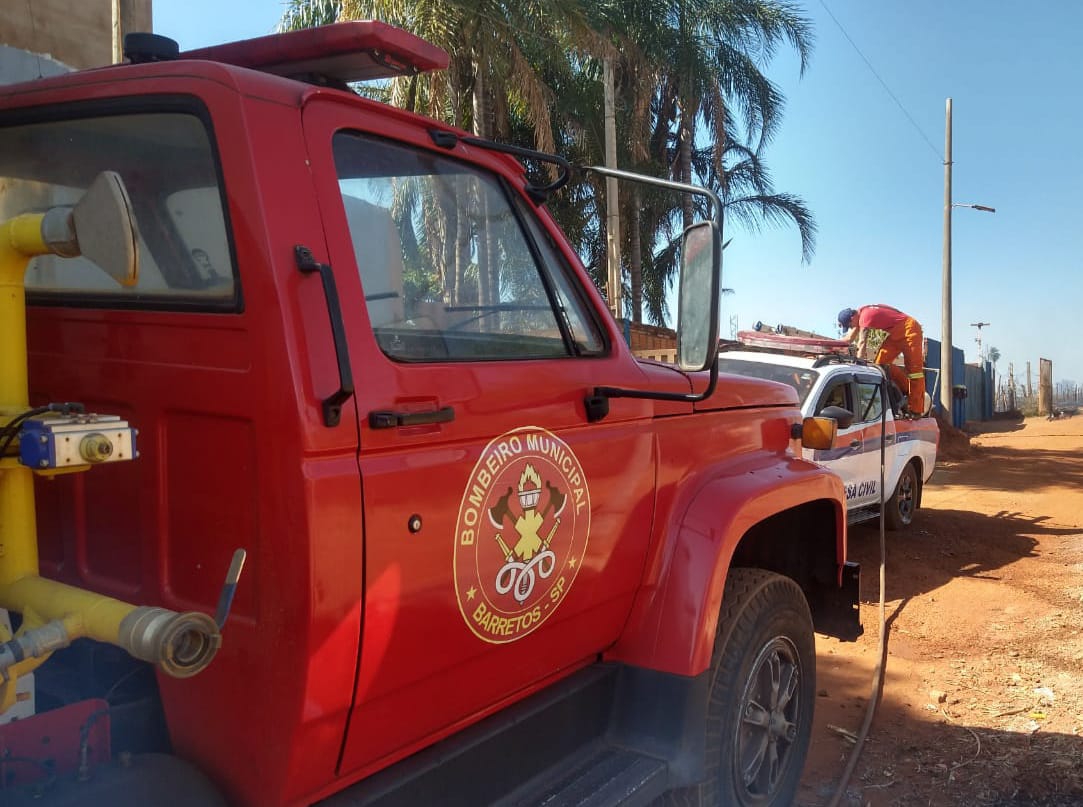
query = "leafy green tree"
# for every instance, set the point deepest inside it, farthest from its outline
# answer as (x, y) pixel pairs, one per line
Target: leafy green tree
(309, 13)
(530, 73)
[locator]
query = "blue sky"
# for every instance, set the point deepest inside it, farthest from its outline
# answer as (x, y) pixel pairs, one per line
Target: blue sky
(875, 185)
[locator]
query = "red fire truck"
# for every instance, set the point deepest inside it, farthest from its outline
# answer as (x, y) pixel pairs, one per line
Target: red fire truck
(488, 556)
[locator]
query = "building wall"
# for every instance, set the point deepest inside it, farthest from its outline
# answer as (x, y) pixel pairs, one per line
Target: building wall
(77, 33)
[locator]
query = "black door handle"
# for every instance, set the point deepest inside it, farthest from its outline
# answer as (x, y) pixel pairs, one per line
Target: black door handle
(387, 419)
(332, 405)
(855, 444)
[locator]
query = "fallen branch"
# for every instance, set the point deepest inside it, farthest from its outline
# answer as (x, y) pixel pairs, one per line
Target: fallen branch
(881, 787)
(955, 766)
(1010, 712)
(847, 735)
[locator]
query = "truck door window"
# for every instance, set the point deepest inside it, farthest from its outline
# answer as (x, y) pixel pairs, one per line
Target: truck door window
(838, 395)
(171, 173)
(868, 401)
(448, 272)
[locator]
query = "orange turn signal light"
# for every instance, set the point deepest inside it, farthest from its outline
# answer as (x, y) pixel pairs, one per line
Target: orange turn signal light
(818, 432)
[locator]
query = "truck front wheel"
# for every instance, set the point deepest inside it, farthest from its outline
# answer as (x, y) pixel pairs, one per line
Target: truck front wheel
(759, 718)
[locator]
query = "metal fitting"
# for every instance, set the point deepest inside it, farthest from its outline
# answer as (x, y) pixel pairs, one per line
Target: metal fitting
(58, 232)
(34, 643)
(95, 447)
(180, 644)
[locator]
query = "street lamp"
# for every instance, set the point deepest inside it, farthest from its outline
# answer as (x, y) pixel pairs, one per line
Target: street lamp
(945, 298)
(979, 326)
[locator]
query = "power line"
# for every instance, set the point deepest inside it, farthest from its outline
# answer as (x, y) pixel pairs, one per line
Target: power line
(883, 83)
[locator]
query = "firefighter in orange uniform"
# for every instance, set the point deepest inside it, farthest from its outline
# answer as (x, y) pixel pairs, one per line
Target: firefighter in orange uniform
(903, 336)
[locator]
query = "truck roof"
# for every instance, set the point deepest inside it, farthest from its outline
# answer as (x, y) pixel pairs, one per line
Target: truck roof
(780, 358)
(282, 67)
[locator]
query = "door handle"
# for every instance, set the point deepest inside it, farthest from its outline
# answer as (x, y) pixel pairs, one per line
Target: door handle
(855, 444)
(332, 405)
(389, 419)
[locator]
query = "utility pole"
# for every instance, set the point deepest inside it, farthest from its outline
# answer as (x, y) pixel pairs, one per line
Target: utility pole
(945, 291)
(612, 225)
(117, 31)
(1030, 390)
(125, 18)
(979, 326)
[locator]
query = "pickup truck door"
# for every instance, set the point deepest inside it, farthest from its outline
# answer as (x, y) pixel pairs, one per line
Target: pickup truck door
(504, 534)
(869, 404)
(847, 457)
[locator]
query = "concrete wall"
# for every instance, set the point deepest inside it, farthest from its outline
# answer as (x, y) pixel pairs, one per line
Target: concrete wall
(77, 33)
(18, 65)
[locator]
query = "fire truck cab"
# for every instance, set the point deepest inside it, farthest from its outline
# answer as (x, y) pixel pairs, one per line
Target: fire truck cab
(488, 556)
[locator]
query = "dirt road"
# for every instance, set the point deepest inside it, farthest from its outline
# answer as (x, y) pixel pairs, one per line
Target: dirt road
(983, 699)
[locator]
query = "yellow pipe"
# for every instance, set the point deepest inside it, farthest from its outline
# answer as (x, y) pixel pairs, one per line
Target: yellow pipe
(20, 240)
(85, 614)
(18, 528)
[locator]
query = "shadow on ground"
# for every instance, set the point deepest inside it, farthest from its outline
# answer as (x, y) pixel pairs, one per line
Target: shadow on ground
(908, 762)
(1003, 422)
(937, 549)
(1019, 469)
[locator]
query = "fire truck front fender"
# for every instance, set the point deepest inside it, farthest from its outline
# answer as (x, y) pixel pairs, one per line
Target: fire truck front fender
(673, 621)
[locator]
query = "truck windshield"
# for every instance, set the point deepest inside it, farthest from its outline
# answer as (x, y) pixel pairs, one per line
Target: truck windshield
(169, 169)
(799, 378)
(452, 268)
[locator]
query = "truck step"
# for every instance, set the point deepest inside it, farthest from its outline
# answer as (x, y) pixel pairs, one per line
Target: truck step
(605, 776)
(861, 514)
(572, 745)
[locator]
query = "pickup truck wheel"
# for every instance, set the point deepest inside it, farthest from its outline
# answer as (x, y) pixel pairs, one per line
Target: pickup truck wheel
(899, 509)
(759, 718)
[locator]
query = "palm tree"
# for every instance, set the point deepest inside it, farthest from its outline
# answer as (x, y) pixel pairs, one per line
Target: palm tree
(528, 73)
(309, 13)
(684, 66)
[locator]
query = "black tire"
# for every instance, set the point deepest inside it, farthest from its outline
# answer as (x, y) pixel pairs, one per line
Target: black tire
(900, 508)
(763, 683)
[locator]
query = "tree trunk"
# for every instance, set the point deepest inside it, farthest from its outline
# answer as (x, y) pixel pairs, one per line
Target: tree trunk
(635, 258)
(488, 270)
(685, 157)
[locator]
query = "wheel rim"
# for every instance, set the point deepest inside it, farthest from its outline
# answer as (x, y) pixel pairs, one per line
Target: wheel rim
(906, 496)
(768, 720)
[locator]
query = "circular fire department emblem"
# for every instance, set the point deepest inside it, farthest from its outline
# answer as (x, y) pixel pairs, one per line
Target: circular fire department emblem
(522, 534)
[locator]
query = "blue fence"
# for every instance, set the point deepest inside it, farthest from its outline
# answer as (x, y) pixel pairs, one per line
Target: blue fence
(973, 397)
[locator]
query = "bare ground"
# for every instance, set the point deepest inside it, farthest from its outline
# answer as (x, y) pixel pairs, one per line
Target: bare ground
(983, 698)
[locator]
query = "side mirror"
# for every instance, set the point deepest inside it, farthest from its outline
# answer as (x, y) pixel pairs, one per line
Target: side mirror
(844, 417)
(816, 432)
(698, 296)
(101, 227)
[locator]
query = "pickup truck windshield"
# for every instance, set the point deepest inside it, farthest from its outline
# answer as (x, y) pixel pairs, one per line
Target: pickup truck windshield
(170, 171)
(799, 378)
(453, 269)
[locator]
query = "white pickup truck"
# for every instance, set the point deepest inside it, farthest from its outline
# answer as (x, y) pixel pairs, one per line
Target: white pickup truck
(833, 384)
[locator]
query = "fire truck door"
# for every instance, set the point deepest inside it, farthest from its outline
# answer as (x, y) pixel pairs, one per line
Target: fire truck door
(505, 535)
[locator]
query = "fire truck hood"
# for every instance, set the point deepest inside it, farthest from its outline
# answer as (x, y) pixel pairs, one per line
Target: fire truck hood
(731, 392)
